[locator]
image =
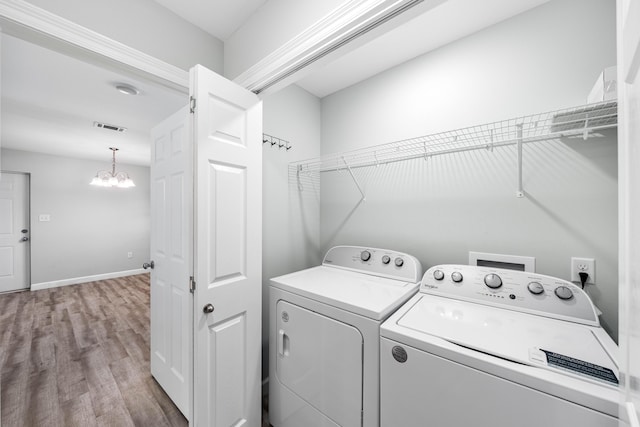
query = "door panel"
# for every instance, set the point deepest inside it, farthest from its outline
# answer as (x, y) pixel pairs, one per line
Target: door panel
(320, 360)
(171, 231)
(228, 187)
(230, 370)
(228, 264)
(14, 217)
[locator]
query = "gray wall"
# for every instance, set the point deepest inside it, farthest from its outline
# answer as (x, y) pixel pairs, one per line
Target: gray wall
(91, 228)
(545, 59)
(291, 220)
(146, 26)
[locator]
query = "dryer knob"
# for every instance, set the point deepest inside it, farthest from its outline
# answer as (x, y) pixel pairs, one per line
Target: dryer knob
(438, 275)
(365, 255)
(493, 281)
(563, 292)
(399, 262)
(456, 276)
(535, 288)
(386, 259)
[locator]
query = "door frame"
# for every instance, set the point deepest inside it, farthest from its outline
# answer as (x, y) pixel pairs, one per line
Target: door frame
(28, 260)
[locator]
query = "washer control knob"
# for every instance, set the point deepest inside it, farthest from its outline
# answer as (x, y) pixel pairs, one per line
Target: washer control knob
(456, 276)
(365, 255)
(563, 292)
(399, 262)
(438, 275)
(386, 259)
(493, 281)
(535, 288)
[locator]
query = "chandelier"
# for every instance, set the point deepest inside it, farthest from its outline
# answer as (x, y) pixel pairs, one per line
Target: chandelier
(105, 178)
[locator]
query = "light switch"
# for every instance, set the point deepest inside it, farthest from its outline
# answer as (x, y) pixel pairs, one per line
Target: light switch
(44, 217)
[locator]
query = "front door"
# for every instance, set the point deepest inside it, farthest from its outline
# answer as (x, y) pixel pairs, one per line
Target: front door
(14, 232)
(171, 252)
(227, 134)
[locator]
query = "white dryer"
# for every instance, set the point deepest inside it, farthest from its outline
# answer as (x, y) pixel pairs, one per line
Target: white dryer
(325, 333)
(489, 347)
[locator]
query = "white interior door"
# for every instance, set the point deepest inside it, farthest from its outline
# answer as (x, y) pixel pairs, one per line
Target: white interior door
(171, 252)
(628, 27)
(228, 249)
(14, 232)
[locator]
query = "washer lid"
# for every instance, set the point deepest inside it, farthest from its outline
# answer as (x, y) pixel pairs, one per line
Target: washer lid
(519, 337)
(370, 296)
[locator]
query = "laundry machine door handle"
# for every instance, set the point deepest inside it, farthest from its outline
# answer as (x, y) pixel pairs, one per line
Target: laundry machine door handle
(283, 343)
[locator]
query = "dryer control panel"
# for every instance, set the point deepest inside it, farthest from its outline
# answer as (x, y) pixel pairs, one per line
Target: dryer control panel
(514, 290)
(375, 261)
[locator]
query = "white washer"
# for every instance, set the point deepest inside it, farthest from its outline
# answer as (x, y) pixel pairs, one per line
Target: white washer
(324, 336)
(490, 347)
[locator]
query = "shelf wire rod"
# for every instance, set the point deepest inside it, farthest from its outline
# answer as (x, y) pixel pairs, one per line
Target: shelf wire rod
(363, 198)
(300, 187)
(520, 192)
(585, 133)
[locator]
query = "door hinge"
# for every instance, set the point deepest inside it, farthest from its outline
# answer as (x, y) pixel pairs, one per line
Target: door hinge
(192, 104)
(192, 284)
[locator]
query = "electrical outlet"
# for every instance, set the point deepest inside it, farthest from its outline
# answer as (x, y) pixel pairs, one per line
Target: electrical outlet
(129, 254)
(586, 265)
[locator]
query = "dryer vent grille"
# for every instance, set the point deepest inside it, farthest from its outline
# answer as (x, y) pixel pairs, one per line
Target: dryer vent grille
(109, 127)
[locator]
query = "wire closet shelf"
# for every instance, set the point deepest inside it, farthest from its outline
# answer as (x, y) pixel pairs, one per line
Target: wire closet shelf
(581, 120)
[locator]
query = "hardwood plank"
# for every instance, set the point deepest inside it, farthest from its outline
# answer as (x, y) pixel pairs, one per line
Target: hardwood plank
(79, 412)
(42, 350)
(173, 414)
(85, 337)
(140, 401)
(71, 379)
(102, 386)
(15, 395)
(44, 408)
(135, 346)
(117, 417)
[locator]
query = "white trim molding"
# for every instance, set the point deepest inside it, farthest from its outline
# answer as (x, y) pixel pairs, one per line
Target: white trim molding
(340, 27)
(24, 20)
(85, 279)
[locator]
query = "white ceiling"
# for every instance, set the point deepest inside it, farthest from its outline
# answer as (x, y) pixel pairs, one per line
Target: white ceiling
(447, 22)
(220, 18)
(50, 102)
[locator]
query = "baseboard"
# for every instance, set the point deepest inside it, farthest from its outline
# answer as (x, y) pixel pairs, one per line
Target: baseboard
(85, 279)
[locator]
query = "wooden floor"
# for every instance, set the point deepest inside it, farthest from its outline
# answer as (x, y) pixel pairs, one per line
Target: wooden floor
(79, 356)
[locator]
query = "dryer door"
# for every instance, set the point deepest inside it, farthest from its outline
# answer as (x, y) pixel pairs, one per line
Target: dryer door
(320, 360)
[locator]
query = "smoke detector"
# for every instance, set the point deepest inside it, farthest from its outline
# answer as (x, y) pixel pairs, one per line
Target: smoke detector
(109, 127)
(127, 89)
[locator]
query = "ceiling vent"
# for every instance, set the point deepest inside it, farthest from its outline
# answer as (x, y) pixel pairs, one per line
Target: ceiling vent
(109, 127)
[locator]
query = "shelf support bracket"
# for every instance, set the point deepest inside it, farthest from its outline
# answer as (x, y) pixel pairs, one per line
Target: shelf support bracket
(355, 181)
(299, 169)
(520, 192)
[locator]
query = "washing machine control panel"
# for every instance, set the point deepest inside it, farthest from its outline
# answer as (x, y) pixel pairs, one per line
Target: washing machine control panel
(514, 290)
(375, 261)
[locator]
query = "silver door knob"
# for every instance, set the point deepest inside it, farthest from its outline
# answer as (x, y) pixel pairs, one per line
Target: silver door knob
(207, 309)
(24, 239)
(148, 265)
